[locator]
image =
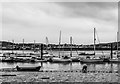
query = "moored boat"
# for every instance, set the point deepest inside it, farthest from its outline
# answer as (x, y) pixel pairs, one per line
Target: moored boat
(2, 57)
(84, 53)
(115, 60)
(89, 59)
(28, 68)
(58, 60)
(74, 59)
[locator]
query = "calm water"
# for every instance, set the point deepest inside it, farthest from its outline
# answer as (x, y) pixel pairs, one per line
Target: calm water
(66, 66)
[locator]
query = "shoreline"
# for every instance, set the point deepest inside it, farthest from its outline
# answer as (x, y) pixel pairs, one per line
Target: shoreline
(58, 76)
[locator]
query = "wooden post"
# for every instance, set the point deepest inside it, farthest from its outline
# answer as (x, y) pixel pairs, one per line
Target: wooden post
(41, 51)
(111, 50)
(70, 46)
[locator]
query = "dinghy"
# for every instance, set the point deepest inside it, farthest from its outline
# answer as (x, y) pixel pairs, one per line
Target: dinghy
(28, 68)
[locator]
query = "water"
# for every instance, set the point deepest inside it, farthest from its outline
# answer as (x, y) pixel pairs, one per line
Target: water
(66, 66)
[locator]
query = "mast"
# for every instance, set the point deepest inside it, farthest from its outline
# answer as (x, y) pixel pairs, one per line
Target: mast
(70, 46)
(34, 46)
(46, 40)
(59, 43)
(23, 46)
(46, 44)
(117, 42)
(12, 45)
(94, 41)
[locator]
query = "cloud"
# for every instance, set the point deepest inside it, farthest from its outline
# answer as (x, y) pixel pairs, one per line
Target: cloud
(35, 21)
(96, 10)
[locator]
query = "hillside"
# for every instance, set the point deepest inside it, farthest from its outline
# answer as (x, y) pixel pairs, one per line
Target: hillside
(31, 46)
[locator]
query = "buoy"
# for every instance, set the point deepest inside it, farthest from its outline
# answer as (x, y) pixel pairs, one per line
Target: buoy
(46, 71)
(110, 71)
(65, 71)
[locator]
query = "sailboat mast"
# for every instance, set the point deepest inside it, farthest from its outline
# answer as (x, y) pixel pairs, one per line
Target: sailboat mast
(12, 45)
(34, 46)
(117, 42)
(59, 43)
(46, 43)
(94, 41)
(23, 46)
(71, 46)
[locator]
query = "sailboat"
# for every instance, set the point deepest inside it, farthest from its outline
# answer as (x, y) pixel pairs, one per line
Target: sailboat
(73, 58)
(117, 59)
(91, 60)
(60, 59)
(46, 53)
(22, 57)
(89, 54)
(118, 40)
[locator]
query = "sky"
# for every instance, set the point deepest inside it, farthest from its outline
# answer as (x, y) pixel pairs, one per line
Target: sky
(37, 20)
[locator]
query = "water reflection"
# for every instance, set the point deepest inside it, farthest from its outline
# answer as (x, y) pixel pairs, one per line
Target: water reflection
(67, 66)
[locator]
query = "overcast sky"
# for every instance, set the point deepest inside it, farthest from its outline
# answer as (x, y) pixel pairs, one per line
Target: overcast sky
(37, 20)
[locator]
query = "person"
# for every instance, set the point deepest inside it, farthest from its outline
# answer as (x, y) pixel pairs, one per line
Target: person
(84, 69)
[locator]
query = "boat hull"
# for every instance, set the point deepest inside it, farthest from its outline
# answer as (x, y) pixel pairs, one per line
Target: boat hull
(28, 68)
(87, 54)
(75, 59)
(59, 60)
(91, 61)
(114, 60)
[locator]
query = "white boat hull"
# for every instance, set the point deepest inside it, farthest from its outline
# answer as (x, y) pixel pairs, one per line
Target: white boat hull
(91, 60)
(74, 59)
(61, 60)
(114, 60)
